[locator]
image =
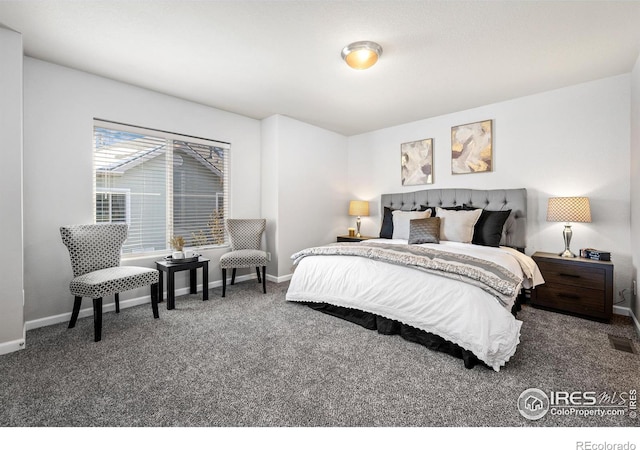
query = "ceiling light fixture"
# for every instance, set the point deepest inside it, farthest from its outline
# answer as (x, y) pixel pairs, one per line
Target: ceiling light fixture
(362, 54)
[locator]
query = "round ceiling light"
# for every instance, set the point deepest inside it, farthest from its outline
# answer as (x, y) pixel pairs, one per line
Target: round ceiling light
(362, 54)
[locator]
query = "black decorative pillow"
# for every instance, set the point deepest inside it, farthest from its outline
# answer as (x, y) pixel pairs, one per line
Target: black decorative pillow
(433, 209)
(429, 208)
(424, 231)
(455, 208)
(386, 231)
(488, 228)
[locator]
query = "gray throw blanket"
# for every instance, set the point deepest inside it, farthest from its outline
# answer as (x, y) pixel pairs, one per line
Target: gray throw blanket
(486, 275)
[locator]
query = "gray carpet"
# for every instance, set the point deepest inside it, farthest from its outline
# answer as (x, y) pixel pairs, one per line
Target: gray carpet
(255, 360)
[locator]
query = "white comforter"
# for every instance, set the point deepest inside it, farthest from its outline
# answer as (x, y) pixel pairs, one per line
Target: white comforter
(463, 314)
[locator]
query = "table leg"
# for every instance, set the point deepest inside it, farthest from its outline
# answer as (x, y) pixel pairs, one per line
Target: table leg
(193, 281)
(205, 280)
(171, 290)
(160, 286)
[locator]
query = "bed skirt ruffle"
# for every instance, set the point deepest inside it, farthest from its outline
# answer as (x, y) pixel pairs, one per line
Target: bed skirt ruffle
(387, 326)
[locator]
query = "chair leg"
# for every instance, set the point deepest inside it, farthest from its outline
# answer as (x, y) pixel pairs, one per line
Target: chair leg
(264, 279)
(233, 276)
(117, 303)
(76, 310)
(154, 300)
(258, 273)
(224, 281)
(97, 319)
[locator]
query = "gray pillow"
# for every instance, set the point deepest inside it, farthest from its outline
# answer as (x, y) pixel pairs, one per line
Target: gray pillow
(424, 231)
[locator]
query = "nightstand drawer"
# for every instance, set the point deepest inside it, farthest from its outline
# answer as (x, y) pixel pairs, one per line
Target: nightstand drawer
(575, 286)
(572, 299)
(554, 273)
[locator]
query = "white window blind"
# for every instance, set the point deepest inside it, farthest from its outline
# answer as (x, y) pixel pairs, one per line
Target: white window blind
(113, 205)
(162, 184)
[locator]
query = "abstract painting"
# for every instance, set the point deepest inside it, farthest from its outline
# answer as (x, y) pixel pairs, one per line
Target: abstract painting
(471, 147)
(417, 162)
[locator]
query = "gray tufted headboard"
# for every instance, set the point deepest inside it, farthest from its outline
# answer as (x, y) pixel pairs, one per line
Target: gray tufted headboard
(514, 233)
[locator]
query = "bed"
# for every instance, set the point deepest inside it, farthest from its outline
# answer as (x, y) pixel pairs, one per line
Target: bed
(448, 273)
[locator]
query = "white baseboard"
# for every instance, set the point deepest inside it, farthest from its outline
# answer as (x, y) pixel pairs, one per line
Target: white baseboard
(107, 307)
(622, 310)
(11, 346)
(14, 346)
(87, 312)
(626, 311)
(19, 344)
(635, 322)
(281, 279)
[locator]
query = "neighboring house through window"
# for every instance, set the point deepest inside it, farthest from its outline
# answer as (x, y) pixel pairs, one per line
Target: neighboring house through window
(113, 205)
(161, 184)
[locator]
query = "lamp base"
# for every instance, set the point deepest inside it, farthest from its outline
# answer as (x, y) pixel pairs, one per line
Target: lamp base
(567, 254)
(567, 233)
(358, 228)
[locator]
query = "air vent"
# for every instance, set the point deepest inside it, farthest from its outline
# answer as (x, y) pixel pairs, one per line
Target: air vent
(622, 344)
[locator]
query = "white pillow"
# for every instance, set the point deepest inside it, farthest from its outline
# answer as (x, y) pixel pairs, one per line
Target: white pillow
(401, 222)
(457, 225)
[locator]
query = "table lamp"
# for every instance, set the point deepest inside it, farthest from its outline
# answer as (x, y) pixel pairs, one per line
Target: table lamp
(358, 208)
(568, 209)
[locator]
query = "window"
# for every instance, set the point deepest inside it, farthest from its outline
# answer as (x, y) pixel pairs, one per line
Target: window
(161, 184)
(112, 205)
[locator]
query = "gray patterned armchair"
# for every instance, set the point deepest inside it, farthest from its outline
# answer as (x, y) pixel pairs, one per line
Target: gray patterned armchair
(246, 242)
(95, 259)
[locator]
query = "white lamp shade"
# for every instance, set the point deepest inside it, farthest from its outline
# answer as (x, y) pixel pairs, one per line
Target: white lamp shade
(358, 208)
(568, 209)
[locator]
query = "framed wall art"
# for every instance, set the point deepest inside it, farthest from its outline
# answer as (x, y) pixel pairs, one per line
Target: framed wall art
(417, 162)
(472, 147)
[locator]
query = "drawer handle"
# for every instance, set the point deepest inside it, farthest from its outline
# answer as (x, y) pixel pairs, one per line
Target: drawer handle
(570, 275)
(573, 296)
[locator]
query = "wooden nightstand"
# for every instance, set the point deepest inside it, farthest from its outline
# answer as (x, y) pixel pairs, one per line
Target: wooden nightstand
(578, 286)
(346, 238)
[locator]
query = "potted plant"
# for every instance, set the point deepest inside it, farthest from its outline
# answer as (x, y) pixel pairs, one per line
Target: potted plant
(177, 243)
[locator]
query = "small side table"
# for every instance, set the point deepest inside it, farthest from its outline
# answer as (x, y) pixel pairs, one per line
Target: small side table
(172, 267)
(346, 238)
(577, 286)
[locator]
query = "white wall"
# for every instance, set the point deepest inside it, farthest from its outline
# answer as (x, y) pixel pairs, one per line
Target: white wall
(11, 263)
(59, 108)
(635, 180)
(304, 183)
(571, 141)
(270, 188)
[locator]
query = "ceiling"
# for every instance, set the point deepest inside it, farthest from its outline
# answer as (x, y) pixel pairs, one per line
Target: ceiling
(259, 58)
